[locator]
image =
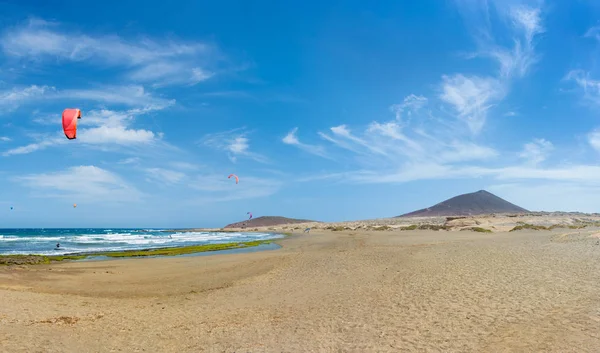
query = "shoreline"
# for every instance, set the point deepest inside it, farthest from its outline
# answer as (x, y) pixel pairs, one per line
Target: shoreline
(32, 259)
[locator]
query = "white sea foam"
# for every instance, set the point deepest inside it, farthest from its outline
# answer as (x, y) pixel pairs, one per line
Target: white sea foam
(88, 242)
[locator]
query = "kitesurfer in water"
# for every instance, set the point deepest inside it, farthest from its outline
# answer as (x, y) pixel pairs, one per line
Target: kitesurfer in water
(57, 245)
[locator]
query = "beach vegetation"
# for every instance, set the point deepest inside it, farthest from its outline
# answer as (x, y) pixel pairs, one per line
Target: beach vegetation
(523, 226)
(410, 227)
(432, 227)
(569, 226)
(478, 229)
(382, 228)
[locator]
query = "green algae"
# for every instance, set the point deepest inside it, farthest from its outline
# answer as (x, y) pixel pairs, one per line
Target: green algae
(44, 259)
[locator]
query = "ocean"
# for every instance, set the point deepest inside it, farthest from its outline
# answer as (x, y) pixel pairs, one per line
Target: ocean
(75, 240)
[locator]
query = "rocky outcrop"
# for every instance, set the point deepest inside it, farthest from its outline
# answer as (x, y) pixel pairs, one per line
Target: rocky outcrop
(267, 221)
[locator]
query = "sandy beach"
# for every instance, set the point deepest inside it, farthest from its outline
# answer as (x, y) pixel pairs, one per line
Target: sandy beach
(327, 291)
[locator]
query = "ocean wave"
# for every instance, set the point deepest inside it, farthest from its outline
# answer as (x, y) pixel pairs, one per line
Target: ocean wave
(94, 240)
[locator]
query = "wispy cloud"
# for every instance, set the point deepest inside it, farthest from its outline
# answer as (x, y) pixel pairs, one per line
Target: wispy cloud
(594, 139)
(162, 62)
(131, 160)
(164, 176)
(43, 143)
(184, 166)
(5, 139)
(428, 171)
(412, 103)
(13, 98)
(217, 188)
(131, 96)
(235, 143)
(589, 87)
(536, 151)
(471, 97)
(292, 139)
(391, 143)
(593, 32)
(83, 183)
(525, 23)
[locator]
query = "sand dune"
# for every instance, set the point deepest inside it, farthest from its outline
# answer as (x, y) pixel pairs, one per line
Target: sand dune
(328, 291)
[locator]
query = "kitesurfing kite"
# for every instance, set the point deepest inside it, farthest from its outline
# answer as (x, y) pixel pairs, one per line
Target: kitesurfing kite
(69, 122)
(11, 207)
(74, 205)
(250, 213)
(237, 180)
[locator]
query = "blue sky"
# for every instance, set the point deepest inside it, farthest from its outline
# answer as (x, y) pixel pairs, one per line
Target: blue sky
(325, 110)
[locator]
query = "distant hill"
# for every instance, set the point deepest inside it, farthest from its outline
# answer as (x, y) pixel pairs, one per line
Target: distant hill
(266, 221)
(475, 203)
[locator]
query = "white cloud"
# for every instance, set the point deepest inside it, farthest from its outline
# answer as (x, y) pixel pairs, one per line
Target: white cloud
(528, 19)
(590, 87)
(518, 61)
(160, 61)
(164, 176)
(36, 146)
(83, 183)
(13, 98)
(5, 139)
(536, 151)
(235, 143)
(292, 139)
(458, 151)
(116, 134)
(393, 130)
(239, 145)
(344, 132)
(594, 139)
(339, 143)
(410, 104)
(588, 175)
(184, 165)
(471, 97)
(131, 95)
(218, 188)
(131, 160)
(100, 128)
(593, 32)
(382, 146)
(526, 24)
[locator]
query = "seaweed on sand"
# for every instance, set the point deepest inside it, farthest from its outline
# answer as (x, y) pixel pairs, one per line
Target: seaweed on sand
(42, 259)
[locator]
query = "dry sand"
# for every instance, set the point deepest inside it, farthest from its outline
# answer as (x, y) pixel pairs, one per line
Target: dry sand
(357, 291)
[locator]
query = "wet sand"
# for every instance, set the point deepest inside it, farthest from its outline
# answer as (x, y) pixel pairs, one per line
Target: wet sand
(357, 291)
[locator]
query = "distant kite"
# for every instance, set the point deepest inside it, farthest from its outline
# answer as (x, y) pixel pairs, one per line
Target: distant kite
(69, 122)
(250, 213)
(74, 205)
(237, 180)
